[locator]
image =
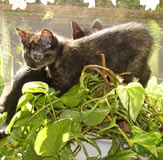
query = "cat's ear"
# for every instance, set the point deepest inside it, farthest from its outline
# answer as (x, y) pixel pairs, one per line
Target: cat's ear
(77, 32)
(97, 24)
(46, 34)
(47, 39)
(22, 34)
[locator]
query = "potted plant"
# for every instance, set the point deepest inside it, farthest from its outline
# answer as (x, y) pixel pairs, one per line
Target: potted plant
(97, 113)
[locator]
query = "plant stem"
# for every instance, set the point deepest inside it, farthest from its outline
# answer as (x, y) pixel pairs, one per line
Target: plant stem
(54, 115)
(71, 153)
(101, 67)
(155, 109)
(124, 117)
(125, 137)
(103, 63)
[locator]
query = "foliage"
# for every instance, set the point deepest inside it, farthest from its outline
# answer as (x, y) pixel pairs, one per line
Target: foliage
(6, 60)
(45, 127)
(155, 32)
(1, 84)
(134, 4)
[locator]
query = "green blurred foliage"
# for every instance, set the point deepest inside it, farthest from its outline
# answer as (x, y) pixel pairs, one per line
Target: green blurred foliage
(134, 4)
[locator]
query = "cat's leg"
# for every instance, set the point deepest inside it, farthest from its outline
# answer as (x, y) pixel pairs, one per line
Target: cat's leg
(145, 75)
(139, 69)
(24, 75)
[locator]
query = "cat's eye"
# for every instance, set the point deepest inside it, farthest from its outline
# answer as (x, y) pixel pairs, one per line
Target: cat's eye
(37, 57)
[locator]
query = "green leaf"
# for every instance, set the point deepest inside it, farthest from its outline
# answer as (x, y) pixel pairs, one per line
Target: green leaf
(132, 97)
(136, 130)
(37, 121)
(51, 158)
(140, 149)
(152, 82)
(3, 142)
(2, 118)
(75, 116)
(24, 99)
(71, 114)
(122, 155)
(35, 87)
(96, 117)
(123, 95)
(76, 128)
(74, 96)
(154, 91)
(31, 154)
(52, 138)
(63, 154)
(19, 120)
(148, 140)
(160, 153)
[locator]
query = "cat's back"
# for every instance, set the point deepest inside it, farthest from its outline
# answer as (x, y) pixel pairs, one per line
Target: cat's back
(120, 38)
(117, 29)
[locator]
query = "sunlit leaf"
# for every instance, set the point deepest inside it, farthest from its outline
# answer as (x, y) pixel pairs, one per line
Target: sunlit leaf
(70, 114)
(132, 97)
(35, 87)
(122, 155)
(52, 138)
(73, 97)
(136, 130)
(148, 140)
(2, 118)
(24, 99)
(152, 82)
(154, 90)
(96, 117)
(19, 119)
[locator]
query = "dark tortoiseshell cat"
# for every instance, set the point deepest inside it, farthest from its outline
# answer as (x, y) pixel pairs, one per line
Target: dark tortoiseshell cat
(126, 48)
(26, 74)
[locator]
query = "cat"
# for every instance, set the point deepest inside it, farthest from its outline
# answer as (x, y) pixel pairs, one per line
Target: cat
(126, 48)
(26, 74)
(78, 32)
(59, 62)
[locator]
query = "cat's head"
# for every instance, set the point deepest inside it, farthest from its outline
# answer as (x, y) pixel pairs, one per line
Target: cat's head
(39, 49)
(78, 32)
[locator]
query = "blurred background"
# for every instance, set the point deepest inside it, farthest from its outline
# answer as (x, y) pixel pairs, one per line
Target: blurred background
(57, 16)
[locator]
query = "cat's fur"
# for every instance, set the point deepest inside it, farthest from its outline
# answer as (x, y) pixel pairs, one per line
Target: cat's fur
(126, 48)
(78, 32)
